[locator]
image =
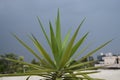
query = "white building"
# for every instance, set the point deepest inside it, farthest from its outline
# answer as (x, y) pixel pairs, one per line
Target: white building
(110, 60)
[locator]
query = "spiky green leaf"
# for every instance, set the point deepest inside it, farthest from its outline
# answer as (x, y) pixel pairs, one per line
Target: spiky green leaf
(43, 52)
(58, 32)
(66, 38)
(78, 44)
(25, 63)
(28, 48)
(55, 47)
(95, 50)
(66, 55)
(80, 64)
(44, 32)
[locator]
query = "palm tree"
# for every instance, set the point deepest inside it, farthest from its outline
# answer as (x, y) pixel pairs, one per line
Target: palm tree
(65, 63)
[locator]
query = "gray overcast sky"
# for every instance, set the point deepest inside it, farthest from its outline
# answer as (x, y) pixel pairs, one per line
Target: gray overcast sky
(19, 16)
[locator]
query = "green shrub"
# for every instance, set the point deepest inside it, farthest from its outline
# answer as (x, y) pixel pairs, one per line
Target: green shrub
(62, 66)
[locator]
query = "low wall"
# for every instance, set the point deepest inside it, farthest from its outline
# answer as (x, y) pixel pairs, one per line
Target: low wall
(22, 78)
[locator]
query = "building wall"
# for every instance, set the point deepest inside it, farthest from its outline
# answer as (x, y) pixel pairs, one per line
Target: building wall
(119, 59)
(111, 60)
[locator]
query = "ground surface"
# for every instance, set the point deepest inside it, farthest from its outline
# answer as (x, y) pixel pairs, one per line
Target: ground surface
(104, 74)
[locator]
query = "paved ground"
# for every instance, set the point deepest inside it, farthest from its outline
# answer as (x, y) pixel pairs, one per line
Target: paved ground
(107, 74)
(104, 74)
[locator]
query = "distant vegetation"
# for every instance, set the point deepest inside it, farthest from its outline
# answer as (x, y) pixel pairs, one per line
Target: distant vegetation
(8, 66)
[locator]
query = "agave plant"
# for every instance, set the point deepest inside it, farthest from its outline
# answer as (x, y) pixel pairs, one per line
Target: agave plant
(65, 63)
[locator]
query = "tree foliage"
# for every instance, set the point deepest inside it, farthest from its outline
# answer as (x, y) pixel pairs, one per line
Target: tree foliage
(8, 66)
